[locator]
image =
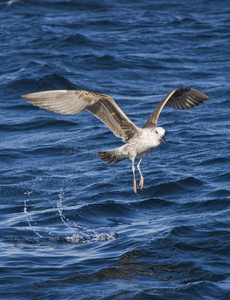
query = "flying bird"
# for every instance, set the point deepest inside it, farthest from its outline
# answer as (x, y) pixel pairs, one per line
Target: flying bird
(137, 141)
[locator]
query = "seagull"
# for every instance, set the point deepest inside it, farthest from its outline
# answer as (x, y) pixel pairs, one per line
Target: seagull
(137, 141)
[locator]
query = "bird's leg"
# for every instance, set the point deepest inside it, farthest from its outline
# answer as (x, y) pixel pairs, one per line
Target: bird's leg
(134, 178)
(142, 178)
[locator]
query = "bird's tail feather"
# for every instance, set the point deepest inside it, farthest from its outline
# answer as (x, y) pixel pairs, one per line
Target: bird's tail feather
(111, 155)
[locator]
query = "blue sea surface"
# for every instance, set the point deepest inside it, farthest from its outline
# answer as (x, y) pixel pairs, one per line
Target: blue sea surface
(71, 226)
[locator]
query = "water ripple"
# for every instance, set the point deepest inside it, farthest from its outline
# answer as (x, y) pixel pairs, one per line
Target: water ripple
(71, 226)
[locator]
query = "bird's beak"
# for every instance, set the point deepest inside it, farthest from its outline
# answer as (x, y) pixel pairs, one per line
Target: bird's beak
(163, 139)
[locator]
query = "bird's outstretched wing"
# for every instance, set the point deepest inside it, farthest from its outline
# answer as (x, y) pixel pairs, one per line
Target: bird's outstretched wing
(69, 102)
(181, 98)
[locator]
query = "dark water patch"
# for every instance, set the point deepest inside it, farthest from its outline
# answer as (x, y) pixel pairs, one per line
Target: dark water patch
(192, 239)
(220, 193)
(212, 205)
(179, 186)
(215, 161)
(151, 203)
(88, 5)
(189, 291)
(92, 62)
(137, 266)
(78, 39)
(60, 5)
(9, 188)
(223, 177)
(48, 82)
(115, 212)
(40, 123)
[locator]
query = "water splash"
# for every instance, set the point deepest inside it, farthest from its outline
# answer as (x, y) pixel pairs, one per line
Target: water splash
(84, 235)
(80, 234)
(80, 239)
(29, 218)
(60, 211)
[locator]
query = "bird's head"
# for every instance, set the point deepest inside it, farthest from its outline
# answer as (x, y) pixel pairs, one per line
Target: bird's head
(161, 133)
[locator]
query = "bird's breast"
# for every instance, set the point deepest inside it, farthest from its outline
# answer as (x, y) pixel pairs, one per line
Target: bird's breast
(145, 140)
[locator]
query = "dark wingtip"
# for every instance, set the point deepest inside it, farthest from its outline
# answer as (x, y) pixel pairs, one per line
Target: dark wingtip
(185, 98)
(187, 90)
(199, 94)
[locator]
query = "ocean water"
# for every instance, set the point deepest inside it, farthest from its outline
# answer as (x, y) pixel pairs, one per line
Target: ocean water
(70, 225)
